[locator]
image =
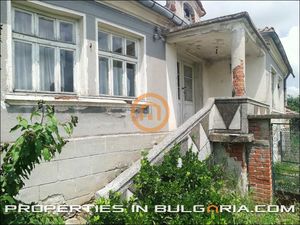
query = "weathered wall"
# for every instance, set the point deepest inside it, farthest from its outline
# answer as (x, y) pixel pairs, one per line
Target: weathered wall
(232, 156)
(257, 79)
(85, 166)
(171, 67)
(217, 79)
(260, 160)
(105, 140)
(278, 97)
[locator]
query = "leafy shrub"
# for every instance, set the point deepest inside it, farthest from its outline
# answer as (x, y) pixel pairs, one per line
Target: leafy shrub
(39, 140)
(192, 183)
(169, 184)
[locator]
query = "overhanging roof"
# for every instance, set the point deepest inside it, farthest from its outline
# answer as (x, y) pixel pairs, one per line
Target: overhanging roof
(236, 16)
(271, 33)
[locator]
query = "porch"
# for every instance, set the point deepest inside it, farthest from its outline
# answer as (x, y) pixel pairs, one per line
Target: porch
(228, 59)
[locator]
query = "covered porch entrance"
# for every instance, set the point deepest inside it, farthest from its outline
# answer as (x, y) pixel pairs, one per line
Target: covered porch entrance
(225, 58)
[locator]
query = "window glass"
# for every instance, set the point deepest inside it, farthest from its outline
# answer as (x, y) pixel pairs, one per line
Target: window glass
(23, 22)
(103, 75)
(23, 66)
(117, 45)
(122, 78)
(188, 83)
(46, 68)
(188, 71)
(103, 41)
(117, 77)
(188, 95)
(130, 48)
(66, 70)
(66, 32)
(46, 28)
(130, 79)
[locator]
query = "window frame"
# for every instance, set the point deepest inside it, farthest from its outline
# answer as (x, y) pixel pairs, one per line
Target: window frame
(36, 41)
(124, 58)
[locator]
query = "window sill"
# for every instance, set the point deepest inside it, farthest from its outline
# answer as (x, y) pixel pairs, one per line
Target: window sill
(31, 99)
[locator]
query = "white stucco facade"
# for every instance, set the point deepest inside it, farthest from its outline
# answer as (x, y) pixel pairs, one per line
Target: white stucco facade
(186, 66)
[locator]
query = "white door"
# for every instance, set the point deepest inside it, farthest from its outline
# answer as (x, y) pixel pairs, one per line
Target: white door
(185, 76)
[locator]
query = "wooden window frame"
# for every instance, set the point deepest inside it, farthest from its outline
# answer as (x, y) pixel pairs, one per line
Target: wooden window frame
(124, 58)
(37, 41)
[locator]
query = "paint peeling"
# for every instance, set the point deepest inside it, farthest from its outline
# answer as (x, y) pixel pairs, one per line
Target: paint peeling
(239, 79)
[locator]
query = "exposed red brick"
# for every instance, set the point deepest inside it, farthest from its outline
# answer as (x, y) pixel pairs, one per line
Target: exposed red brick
(239, 79)
(259, 166)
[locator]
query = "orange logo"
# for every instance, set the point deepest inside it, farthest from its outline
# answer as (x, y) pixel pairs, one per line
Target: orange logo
(212, 207)
(153, 103)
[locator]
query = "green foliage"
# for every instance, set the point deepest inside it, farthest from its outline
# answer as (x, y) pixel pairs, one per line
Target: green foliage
(193, 183)
(286, 176)
(32, 218)
(294, 103)
(39, 140)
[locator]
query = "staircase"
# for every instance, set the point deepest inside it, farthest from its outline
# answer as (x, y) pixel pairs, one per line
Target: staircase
(194, 133)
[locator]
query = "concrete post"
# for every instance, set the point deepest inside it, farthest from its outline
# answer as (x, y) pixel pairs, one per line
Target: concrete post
(238, 61)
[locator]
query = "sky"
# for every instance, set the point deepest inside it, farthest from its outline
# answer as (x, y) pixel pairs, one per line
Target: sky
(282, 15)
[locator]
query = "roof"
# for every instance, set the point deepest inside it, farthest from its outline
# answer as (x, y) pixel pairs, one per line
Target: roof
(259, 33)
(222, 19)
(272, 33)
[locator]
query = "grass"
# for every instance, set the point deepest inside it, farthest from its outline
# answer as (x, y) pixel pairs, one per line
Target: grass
(286, 177)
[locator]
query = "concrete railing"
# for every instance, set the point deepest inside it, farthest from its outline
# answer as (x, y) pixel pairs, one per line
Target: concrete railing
(223, 117)
(186, 132)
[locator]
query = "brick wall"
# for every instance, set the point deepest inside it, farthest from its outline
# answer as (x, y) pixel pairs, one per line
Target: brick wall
(236, 151)
(260, 161)
(239, 80)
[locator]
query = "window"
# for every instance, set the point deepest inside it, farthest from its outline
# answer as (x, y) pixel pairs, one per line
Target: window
(188, 12)
(117, 60)
(44, 52)
(188, 83)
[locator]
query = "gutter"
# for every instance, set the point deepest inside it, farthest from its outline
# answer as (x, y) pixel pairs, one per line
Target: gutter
(151, 4)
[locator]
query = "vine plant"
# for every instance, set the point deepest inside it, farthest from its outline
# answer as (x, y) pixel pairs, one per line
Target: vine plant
(40, 139)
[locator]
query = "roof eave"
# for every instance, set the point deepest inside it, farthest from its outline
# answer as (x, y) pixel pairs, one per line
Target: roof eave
(280, 47)
(226, 18)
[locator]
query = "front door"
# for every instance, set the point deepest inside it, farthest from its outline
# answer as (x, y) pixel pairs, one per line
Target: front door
(185, 76)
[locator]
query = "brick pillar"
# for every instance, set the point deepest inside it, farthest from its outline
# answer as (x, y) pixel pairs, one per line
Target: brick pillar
(238, 61)
(260, 161)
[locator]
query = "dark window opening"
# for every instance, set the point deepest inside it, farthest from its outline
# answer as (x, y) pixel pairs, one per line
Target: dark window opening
(189, 12)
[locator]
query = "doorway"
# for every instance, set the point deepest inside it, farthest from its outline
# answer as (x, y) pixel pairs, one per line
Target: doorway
(185, 87)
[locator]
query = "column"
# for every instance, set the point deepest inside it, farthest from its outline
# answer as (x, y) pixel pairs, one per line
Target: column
(238, 61)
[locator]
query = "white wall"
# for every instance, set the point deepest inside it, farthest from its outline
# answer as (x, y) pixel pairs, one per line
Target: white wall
(217, 79)
(84, 166)
(278, 94)
(171, 68)
(257, 79)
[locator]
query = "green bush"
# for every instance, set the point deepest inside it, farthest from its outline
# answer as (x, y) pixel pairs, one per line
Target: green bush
(193, 183)
(39, 140)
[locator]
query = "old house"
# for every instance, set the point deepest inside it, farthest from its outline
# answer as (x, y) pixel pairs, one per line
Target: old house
(221, 78)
